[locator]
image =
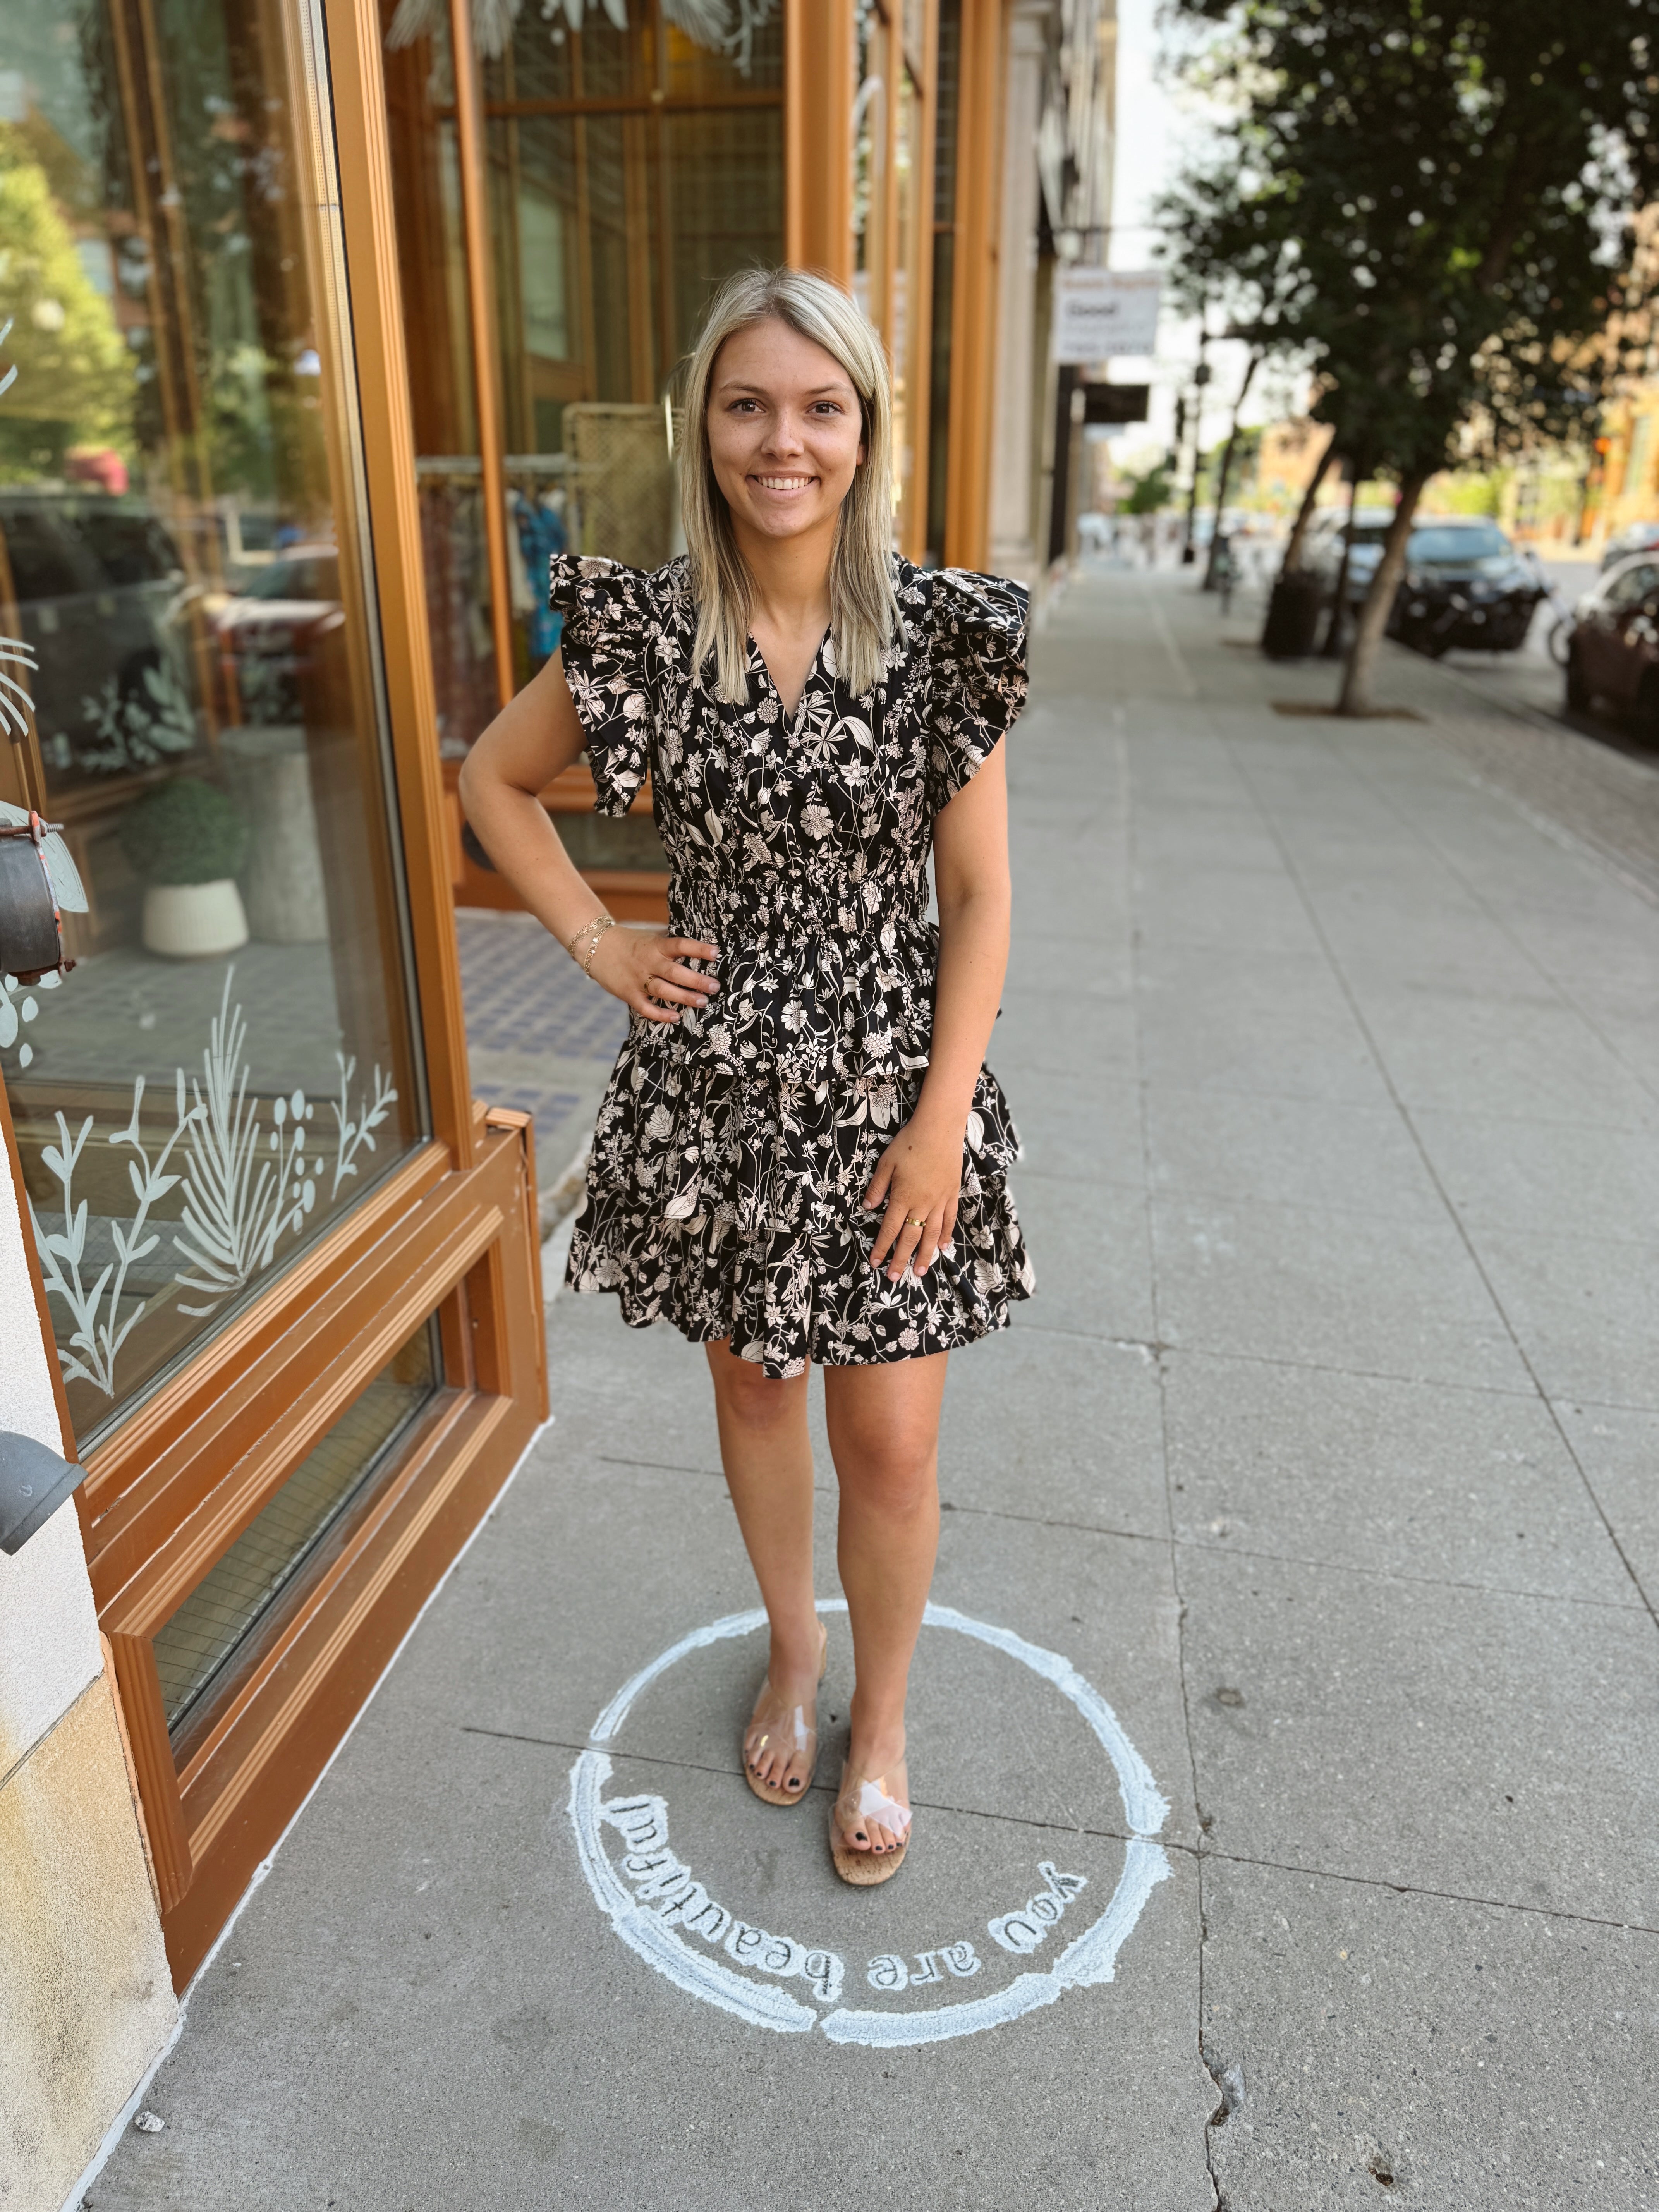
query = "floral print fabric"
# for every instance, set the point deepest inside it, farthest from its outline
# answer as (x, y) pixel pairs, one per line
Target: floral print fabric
(732, 1150)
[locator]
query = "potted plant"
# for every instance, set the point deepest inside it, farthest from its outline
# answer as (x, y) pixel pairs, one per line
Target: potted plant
(187, 841)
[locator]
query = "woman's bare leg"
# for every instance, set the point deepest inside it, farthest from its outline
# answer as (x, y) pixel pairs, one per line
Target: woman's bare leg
(884, 1434)
(768, 1457)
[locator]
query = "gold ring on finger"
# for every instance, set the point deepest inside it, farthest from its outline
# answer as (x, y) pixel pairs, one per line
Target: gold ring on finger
(915, 1221)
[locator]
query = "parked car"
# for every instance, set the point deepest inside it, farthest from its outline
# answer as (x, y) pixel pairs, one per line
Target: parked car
(1614, 652)
(1465, 584)
(103, 599)
(1321, 549)
(1634, 537)
(268, 633)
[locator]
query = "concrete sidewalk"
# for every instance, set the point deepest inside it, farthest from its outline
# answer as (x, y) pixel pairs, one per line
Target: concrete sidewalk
(1324, 1457)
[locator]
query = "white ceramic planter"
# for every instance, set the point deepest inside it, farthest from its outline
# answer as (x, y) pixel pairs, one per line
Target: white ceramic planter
(194, 922)
(282, 887)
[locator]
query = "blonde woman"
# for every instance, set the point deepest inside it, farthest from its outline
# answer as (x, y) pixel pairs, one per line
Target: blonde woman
(800, 1157)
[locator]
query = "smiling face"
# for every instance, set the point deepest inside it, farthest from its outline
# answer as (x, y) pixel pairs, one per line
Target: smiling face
(783, 431)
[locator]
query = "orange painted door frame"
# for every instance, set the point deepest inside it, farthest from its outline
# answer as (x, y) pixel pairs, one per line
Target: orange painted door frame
(820, 51)
(982, 82)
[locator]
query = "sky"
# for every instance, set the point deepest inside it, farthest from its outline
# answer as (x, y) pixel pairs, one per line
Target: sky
(1155, 130)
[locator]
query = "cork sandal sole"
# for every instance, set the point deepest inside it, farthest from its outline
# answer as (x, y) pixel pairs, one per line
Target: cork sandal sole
(867, 1869)
(770, 1793)
(869, 1800)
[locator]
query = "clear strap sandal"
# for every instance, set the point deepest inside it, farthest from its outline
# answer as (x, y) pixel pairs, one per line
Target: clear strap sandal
(863, 1799)
(790, 1730)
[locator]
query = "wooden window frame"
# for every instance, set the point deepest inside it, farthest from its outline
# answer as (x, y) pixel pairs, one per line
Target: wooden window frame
(820, 70)
(170, 1493)
(820, 53)
(982, 77)
(918, 367)
(451, 1230)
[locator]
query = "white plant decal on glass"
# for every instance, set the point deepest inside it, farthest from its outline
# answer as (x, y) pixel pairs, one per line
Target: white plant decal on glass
(352, 1137)
(18, 1006)
(247, 1186)
(141, 727)
(99, 1330)
(15, 704)
(244, 1186)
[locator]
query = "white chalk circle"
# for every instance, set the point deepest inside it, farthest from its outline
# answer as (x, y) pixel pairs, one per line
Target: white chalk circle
(653, 1917)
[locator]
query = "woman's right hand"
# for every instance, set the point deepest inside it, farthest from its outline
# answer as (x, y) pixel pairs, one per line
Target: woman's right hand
(647, 972)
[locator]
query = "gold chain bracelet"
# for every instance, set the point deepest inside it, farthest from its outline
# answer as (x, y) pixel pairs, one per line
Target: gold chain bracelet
(594, 931)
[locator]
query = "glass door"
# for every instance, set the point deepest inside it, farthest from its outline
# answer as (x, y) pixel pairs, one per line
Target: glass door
(183, 569)
(290, 1263)
(616, 161)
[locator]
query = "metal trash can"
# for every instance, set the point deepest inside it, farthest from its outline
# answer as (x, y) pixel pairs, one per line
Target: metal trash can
(1291, 629)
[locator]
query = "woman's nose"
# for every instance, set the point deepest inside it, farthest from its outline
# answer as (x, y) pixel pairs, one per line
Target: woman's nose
(784, 436)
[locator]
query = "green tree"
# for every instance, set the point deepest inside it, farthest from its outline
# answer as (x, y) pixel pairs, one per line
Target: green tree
(1150, 491)
(1433, 202)
(75, 380)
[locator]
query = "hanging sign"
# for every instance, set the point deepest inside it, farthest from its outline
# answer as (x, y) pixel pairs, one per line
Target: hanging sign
(1102, 311)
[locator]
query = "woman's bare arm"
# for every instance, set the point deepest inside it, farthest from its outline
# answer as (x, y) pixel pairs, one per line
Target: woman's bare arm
(533, 738)
(921, 1172)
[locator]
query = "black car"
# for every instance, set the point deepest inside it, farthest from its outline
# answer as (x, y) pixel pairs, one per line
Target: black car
(1614, 652)
(102, 597)
(1634, 537)
(1465, 584)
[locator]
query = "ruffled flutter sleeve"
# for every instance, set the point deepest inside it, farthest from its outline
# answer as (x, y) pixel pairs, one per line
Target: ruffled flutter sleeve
(977, 647)
(611, 618)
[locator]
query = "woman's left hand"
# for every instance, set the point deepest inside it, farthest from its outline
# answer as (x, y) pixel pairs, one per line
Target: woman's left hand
(920, 1178)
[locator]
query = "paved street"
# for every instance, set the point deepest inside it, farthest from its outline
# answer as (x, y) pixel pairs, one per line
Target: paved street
(1284, 1746)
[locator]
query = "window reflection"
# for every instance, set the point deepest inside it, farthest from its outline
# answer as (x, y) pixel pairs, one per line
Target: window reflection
(229, 1064)
(893, 246)
(632, 158)
(628, 172)
(241, 1602)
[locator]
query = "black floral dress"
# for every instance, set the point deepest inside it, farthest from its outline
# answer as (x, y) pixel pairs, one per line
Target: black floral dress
(725, 1189)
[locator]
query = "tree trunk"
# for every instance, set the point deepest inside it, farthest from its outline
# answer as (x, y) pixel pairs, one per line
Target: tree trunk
(1331, 648)
(1189, 554)
(1222, 481)
(1374, 615)
(1304, 513)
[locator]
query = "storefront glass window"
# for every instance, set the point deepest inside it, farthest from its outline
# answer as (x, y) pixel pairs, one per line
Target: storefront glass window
(905, 332)
(947, 79)
(231, 1063)
(893, 255)
(631, 157)
(629, 172)
(243, 1599)
(872, 253)
(420, 85)
(625, 172)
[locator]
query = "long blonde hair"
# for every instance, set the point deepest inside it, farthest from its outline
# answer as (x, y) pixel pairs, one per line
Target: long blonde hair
(864, 612)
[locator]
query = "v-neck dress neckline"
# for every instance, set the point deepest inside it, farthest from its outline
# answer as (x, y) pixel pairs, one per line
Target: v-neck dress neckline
(790, 716)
